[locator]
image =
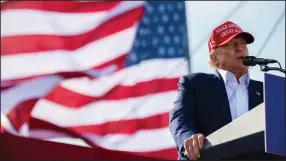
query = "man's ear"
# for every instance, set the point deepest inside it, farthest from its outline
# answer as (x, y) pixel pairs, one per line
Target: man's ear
(214, 59)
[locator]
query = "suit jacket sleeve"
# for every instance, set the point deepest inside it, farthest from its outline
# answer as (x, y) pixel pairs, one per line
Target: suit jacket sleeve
(182, 117)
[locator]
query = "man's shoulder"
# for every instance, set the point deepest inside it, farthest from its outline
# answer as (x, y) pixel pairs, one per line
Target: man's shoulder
(197, 78)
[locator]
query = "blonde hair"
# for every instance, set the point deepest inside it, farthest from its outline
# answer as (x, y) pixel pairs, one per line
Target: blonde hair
(213, 52)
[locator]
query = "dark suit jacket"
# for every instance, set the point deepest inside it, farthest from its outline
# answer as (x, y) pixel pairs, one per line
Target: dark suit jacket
(202, 106)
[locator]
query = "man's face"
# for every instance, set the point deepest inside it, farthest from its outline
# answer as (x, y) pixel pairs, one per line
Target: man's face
(230, 55)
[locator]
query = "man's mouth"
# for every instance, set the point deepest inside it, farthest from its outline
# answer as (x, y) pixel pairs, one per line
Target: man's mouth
(240, 58)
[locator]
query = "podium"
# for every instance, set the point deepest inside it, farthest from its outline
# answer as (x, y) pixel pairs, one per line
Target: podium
(259, 134)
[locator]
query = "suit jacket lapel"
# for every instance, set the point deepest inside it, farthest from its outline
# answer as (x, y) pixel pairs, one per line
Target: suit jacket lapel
(222, 97)
(253, 95)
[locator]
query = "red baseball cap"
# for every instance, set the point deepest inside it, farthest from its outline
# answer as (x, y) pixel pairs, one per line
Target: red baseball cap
(225, 32)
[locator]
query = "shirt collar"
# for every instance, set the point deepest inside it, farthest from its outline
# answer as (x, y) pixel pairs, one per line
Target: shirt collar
(230, 77)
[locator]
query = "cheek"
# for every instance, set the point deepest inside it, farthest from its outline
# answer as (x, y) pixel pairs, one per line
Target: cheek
(222, 60)
(246, 52)
(226, 59)
(231, 56)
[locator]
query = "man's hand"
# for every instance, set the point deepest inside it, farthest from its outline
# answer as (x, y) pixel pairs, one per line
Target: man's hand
(193, 145)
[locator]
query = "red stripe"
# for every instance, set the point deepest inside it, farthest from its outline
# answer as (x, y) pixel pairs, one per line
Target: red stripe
(73, 99)
(12, 45)
(2, 129)
(60, 6)
(111, 127)
(125, 126)
(36, 124)
(118, 62)
(3, 88)
(170, 153)
(21, 113)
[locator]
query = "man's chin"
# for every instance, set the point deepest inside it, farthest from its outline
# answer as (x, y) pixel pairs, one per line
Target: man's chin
(243, 69)
(240, 68)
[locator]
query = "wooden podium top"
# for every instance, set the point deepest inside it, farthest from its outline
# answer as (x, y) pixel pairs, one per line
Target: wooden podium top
(249, 123)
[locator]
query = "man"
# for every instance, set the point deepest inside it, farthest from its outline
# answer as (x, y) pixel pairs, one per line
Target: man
(206, 102)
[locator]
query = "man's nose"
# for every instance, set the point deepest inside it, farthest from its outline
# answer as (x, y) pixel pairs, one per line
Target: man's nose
(238, 49)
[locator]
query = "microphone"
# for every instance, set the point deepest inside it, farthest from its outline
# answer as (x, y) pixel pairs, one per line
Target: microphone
(252, 61)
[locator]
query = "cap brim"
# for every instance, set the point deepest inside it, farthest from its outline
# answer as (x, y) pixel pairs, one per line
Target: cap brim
(247, 36)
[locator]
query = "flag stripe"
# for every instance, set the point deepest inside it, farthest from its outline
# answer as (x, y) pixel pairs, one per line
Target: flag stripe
(87, 87)
(29, 44)
(132, 143)
(135, 143)
(166, 153)
(3, 88)
(142, 141)
(21, 113)
(71, 99)
(57, 131)
(76, 100)
(121, 109)
(84, 58)
(173, 68)
(60, 6)
(109, 67)
(37, 88)
(2, 129)
(70, 96)
(128, 127)
(93, 73)
(6, 124)
(68, 140)
(54, 23)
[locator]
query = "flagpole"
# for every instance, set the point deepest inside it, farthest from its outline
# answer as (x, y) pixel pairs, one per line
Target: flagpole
(188, 46)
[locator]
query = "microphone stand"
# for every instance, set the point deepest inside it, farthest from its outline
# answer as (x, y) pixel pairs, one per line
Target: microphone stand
(266, 68)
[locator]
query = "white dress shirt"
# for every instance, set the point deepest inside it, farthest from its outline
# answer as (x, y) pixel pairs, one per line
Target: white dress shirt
(237, 92)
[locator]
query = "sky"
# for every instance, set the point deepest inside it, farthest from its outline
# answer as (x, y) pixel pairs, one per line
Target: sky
(256, 17)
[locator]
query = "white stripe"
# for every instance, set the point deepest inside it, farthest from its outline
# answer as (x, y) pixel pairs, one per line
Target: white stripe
(24, 129)
(102, 111)
(93, 54)
(6, 123)
(69, 140)
(22, 21)
(30, 89)
(142, 141)
(145, 71)
(55, 136)
(94, 73)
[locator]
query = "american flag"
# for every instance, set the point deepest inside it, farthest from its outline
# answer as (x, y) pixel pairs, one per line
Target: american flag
(93, 73)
